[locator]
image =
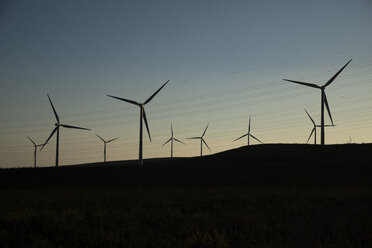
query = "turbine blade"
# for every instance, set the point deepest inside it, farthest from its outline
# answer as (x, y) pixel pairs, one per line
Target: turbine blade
(310, 117)
(112, 140)
(179, 141)
(167, 142)
(54, 110)
(68, 126)
(194, 138)
(100, 138)
(50, 136)
(205, 130)
(328, 125)
(326, 103)
(334, 76)
(152, 96)
(31, 141)
(256, 138)
(249, 125)
(125, 100)
(312, 131)
(172, 130)
(205, 143)
(240, 137)
(303, 83)
(147, 125)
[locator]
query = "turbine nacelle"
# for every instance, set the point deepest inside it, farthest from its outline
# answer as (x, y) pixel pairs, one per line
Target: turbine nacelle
(202, 141)
(142, 116)
(105, 142)
(248, 134)
(171, 139)
(35, 149)
(324, 101)
(56, 130)
(313, 131)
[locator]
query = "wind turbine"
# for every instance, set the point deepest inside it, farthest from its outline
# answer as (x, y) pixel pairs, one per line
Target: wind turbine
(171, 140)
(56, 129)
(248, 134)
(142, 118)
(323, 98)
(104, 147)
(202, 141)
(314, 128)
(35, 149)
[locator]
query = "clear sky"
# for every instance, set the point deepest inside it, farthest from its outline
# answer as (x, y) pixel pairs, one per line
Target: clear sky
(225, 61)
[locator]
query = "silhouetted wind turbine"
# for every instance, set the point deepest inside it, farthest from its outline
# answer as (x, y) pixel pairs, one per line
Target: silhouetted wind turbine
(56, 129)
(104, 147)
(202, 141)
(142, 117)
(314, 128)
(171, 140)
(323, 98)
(35, 148)
(248, 134)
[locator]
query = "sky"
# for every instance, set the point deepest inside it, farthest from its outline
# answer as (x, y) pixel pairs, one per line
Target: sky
(225, 61)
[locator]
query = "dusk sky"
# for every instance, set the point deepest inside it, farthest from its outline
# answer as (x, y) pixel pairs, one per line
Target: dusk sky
(225, 61)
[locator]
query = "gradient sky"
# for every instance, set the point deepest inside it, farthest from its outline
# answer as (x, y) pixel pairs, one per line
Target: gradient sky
(225, 61)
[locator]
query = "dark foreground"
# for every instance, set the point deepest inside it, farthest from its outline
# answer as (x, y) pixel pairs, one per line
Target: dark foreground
(261, 196)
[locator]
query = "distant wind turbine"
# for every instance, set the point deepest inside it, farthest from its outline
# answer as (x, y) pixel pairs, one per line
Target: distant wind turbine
(104, 146)
(248, 134)
(56, 129)
(323, 98)
(171, 140)
(202, 141)
(313, 131)
(142, 118)
(35, 149)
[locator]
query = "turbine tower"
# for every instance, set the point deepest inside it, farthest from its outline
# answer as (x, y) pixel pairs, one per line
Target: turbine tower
(323, 98)
(248, 134)
(314, 128)
(56, 129)
(104, 146)
(35, 149)
(202, 141)
(142, 118)
(171, 140)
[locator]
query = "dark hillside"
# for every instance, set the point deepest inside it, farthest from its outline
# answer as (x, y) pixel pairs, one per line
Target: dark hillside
(259, 164)
(276, 196)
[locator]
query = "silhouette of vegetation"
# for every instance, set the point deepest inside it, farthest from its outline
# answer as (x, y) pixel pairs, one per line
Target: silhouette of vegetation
(256, 196)
(207, 239)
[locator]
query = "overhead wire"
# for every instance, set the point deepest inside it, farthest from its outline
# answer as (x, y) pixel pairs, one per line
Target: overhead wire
(210, 105)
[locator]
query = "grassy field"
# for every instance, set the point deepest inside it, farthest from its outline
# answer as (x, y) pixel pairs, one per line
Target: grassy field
(261, 196)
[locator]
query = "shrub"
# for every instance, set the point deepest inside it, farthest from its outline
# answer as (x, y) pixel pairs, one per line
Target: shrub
(207, 240)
